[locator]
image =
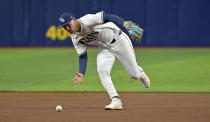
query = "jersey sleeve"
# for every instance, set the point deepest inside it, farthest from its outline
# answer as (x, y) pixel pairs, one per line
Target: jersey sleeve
(79, 47)
(94, 19)
(91, 20)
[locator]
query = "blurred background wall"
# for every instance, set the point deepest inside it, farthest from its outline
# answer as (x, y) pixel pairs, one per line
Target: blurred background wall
(166, 22)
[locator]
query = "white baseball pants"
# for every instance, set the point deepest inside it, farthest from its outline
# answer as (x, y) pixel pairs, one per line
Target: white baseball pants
(123, 51)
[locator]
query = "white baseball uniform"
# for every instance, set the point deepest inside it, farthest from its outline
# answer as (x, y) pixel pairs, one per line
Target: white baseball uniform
(113, 44)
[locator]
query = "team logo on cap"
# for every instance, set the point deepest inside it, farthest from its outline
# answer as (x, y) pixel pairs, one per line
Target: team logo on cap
(62, 20)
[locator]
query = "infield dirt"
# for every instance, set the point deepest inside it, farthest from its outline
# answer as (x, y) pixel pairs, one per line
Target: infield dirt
(89, 107)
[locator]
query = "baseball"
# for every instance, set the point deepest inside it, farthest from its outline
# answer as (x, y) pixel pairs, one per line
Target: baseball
(58, 108)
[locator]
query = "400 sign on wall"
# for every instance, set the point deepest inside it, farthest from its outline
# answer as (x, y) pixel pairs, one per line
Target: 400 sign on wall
(58, 33)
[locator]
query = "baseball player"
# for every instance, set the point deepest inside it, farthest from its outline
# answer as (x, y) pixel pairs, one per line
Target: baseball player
(99, 29)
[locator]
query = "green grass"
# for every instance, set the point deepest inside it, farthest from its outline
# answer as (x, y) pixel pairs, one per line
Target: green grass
(51, 70)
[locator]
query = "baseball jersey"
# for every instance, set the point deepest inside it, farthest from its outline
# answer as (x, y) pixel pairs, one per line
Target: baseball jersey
(93, 32)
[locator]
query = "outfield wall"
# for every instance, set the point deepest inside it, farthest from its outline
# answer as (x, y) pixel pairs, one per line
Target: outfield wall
(166, 22)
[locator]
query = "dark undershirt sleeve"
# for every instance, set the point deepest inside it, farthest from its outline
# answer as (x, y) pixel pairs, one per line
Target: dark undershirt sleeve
(113, 18)
(83, 63)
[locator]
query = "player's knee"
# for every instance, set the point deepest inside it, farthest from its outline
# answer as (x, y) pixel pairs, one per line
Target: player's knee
(102, 70)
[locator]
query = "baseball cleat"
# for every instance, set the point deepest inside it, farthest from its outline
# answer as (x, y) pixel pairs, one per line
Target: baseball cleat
(145, 80)
(116, 104)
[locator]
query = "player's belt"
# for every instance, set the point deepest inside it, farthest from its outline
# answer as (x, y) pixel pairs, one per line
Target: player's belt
(114, 40)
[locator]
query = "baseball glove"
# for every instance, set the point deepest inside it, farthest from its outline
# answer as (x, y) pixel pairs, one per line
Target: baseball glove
(134, 30)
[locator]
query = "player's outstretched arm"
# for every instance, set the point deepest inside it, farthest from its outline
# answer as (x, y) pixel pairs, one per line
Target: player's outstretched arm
(82, 68)
(134, 30)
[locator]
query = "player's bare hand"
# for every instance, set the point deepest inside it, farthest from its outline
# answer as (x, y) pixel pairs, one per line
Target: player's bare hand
(78, 78)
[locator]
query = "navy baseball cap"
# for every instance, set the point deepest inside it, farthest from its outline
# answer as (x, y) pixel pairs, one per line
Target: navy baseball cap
(65, 18)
